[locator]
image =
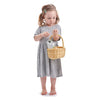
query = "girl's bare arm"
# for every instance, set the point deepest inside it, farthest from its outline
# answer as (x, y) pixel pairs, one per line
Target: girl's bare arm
(40, 36)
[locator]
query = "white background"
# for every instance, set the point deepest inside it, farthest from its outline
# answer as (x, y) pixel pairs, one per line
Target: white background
(80, 23)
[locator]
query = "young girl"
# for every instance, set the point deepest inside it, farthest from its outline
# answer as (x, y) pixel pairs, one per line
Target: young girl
(48, 25)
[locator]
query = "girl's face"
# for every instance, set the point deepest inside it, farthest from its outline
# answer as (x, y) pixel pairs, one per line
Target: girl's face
(50, 18)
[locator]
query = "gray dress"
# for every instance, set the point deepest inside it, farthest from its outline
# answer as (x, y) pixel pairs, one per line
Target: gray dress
(46, 66)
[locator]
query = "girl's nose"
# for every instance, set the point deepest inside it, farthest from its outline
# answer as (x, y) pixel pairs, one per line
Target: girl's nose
(51, 20)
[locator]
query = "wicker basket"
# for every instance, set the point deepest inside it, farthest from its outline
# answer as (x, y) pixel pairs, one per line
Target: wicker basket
(56, 52)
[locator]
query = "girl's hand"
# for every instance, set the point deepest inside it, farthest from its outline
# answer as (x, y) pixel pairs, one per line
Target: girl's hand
(55, 35)
(55, 32)
(45, 34)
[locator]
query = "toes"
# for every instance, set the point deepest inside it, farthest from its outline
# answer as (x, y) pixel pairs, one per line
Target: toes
(52, 93)
(43, 93)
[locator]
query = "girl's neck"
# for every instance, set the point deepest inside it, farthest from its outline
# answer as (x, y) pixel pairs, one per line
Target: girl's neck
(50, 25)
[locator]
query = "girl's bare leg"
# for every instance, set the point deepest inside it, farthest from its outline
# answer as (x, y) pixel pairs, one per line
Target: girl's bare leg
(53, 82)
(43, 83)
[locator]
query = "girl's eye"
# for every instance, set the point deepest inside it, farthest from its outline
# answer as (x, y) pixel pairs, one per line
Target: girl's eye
(52, 18)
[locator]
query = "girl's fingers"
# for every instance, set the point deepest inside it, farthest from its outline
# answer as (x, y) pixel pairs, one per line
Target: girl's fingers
(46, 34)
(55, 30)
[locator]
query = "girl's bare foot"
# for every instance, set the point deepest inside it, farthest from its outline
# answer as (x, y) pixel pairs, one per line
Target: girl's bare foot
(52, 92)
(44, 92)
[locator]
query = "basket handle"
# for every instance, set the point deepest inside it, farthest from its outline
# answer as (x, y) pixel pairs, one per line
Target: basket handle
(60, 37)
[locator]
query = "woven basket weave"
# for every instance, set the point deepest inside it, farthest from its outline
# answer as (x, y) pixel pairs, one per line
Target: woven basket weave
(56, 52)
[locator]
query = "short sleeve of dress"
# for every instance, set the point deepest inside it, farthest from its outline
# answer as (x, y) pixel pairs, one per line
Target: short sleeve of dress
(38, 31)
(59, 30)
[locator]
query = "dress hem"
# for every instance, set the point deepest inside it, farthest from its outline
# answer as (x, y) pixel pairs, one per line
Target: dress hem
(51, 76)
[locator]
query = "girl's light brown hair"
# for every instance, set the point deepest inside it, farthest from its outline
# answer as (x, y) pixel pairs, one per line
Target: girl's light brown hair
(45, 8)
